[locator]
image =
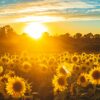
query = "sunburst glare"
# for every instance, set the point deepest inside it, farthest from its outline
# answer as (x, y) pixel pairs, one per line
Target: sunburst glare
(35, 30)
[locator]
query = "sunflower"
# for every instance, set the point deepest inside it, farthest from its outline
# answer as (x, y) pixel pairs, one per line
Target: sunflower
(91, 60)
(95, 64)
(16, 87)
(11, 73)
(4, 78)
(26, 66)
(95, 75)
(83, 54)
(43, 67)
(84, 68)
(51, 61)
(75, 59)
(4, 59)
(76, 68)
(83, 59)
(88, 64)
(98, 60)
(83, 80)
(10, 64)
(59, 83)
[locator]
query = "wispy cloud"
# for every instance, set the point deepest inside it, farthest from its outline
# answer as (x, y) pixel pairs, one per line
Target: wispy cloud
(46, 11)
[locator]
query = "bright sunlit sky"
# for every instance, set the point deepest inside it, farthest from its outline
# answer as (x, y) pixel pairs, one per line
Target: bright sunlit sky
(59, 16)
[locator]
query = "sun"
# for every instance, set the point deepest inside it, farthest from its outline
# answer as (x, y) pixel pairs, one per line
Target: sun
(35, 30)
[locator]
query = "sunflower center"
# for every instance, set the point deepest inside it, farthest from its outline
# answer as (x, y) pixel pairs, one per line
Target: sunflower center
(17, 86)
(82, 79)
(96, 74)
(91, 60)
(77, 68)
(61, 81)
(88, 63)
(75, 59)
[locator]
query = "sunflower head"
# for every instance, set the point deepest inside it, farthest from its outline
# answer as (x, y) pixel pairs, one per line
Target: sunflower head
(83, 80)
(59, 83)
(83, 60)
(5, 59)
(95, 65)
(43, 67)
(91, 60)
(88, 63)
(26, 66)
(11, 63)
(75, 59)
(16, 87)
(51, 61)
(83, 54)
(11, 73)
(95, 75)
(76, 68)
(84, 68)
(4, 78)
(98, 60)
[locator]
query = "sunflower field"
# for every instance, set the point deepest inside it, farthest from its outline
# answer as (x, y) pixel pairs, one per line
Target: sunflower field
(62, 76)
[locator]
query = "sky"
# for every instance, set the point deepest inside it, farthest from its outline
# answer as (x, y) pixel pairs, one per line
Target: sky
(60, 16)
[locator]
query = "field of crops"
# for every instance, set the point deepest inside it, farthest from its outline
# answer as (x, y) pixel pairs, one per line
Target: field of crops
(61, 76)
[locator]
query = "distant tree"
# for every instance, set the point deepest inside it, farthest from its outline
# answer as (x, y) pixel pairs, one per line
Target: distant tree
(45, 34)
(89, 35)
(67, 35)
(97, 36)
(78, 35)
(7, 31)
(2, 32)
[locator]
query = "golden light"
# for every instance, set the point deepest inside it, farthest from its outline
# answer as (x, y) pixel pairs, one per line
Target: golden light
(35, 30)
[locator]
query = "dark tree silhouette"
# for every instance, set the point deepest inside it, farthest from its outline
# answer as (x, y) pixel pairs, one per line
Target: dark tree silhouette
(97, 36)
(78, 35)
(7, 32)
(88, 36)
(67, 35)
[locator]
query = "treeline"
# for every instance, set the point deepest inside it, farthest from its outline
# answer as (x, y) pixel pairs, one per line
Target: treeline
(10, 40)
(77, 43)
(85, 36)
(81, 43)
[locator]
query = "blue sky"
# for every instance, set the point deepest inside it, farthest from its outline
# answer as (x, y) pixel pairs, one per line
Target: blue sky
(14, 11)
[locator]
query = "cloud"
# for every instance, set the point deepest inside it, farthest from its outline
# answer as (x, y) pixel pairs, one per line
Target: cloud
(44, 10)
(94, 10)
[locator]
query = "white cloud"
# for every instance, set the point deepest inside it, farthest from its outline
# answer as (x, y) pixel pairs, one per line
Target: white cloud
(94, 10)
